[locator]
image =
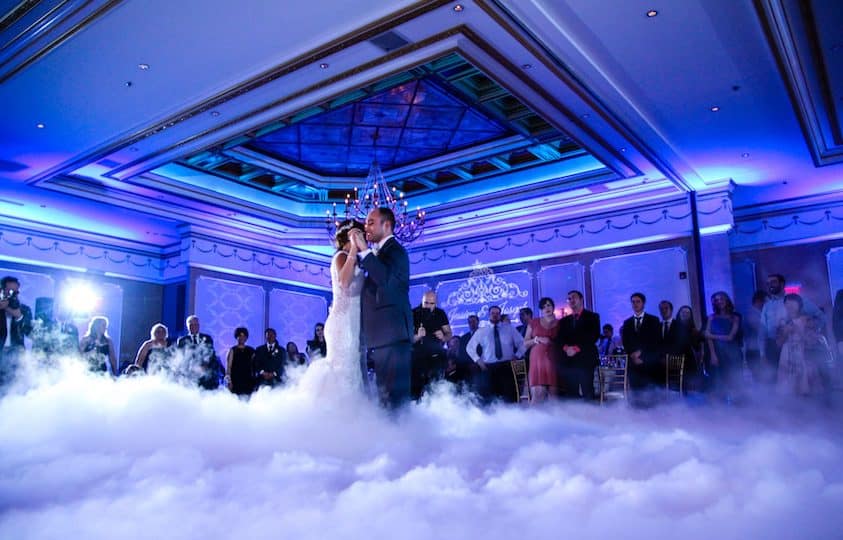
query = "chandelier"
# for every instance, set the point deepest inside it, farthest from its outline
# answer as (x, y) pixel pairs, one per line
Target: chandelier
(374, 194)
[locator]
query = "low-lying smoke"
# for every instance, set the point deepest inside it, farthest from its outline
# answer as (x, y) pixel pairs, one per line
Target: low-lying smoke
(83, 456)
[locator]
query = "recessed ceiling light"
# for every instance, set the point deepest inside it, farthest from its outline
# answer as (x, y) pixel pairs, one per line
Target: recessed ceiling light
(134, 148)
(715, 108)
(584, 116)
(143, 67)
(40, 125)
(215, 113)
(652, 13)
(745, 155)
(458, 8)
(623, 149)
(323, 65)
(527, 66)
(128, 84)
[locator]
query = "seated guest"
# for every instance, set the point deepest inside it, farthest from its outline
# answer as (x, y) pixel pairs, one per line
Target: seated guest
(317, 346)
(543, 374)
(240, 367)
(154, 352)
(578, 333)
(294, 356)
(608, 343)
(640, 334)
(269, 360)
(97, 348)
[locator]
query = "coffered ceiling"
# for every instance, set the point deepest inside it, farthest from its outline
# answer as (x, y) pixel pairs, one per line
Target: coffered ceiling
(254, 117)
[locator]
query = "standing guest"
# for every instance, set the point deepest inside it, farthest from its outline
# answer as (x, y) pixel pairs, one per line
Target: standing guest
(154, 352)
(773, 316)
(432, 332)
(240, 368)
(578, 333)
(608, 343)
(16, 324)
(805, 355)
(269, 360)
(466, 368)
(689, 344)
(501, 344)
(837, 322)
(525, 315)
(667, 332)
(640, 334)
(294, 356)
(97, 348)
(752, 336)
(722, 332)
(317, 347)
(200, 356)
(540, 336)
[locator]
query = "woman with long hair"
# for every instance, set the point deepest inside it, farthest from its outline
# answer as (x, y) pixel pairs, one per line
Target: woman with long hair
(544, 353)
(317, 346)
(97, 348)
(689, 343)
(154, 351)
(724, 354)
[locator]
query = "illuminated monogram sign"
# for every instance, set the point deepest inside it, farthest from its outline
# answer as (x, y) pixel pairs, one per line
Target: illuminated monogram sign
(483, 289)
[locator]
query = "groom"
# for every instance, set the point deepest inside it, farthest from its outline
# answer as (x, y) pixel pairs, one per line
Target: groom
(386, 318)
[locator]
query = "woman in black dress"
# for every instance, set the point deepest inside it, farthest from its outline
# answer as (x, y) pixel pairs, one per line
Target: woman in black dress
(240, 365)
(317, 346)
(689, 343)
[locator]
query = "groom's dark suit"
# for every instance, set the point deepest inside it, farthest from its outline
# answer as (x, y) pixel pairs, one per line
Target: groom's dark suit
(387, 320)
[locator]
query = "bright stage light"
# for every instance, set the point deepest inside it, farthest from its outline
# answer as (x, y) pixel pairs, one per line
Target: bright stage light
(80, 299)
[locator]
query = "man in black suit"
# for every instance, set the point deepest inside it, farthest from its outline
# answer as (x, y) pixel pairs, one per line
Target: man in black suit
(667, 330)
(200, 356)
(15, 325)
(640, 334)
(269, 360)
(577, 337)
(386, 316)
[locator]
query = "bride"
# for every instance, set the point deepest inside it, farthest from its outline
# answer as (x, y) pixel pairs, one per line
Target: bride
(340, 371)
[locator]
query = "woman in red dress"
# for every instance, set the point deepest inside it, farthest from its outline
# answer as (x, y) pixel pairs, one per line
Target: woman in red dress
(544, 356)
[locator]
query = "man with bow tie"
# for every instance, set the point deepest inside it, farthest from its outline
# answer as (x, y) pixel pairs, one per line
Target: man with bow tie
(269, 360)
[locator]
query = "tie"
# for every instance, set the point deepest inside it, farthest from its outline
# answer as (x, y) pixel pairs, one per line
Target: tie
(665, 328)
(637, 323)
(576, 318)
(271, 349)
(498, 347)
(195, 339)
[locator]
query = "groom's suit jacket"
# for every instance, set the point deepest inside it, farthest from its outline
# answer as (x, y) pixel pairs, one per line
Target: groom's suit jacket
(386, 318)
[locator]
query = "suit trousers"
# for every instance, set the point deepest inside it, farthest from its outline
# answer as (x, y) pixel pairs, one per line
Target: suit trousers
(392, 373)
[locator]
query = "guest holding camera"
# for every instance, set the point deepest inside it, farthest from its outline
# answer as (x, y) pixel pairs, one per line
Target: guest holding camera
(17, 324)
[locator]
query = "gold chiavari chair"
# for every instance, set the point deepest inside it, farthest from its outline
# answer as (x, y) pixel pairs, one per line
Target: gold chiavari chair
(613, 376)
(522, 385)
(674, 373)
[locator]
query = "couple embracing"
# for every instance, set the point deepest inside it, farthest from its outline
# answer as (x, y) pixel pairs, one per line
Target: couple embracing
(371, 309)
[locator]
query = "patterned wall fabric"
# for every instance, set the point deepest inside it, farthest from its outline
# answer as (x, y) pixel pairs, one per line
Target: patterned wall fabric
(654, 273)
(224, 305)
(555, 282)
(293, 315)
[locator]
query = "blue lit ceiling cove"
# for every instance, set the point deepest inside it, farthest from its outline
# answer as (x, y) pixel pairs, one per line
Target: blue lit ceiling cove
(440, 124)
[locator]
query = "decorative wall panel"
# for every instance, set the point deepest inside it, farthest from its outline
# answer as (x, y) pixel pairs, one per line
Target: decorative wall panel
(657, 274)
(224, 305)
(555, 282)
(481, 290)
(294, 314)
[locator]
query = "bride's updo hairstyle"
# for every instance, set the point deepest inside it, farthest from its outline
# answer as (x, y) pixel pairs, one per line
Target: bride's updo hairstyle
(344, 228)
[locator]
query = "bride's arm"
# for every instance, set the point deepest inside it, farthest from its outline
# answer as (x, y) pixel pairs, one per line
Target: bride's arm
(346, 265)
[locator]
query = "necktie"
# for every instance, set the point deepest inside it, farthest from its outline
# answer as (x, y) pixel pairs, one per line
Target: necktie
(498, 347)
(576, 318)
(665, 328)
(637, 323)
(195, 340)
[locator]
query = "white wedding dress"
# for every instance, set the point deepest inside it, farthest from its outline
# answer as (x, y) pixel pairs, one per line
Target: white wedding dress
(339, 373)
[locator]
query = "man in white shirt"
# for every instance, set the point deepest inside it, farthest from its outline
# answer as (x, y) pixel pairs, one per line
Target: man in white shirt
(501, 343)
